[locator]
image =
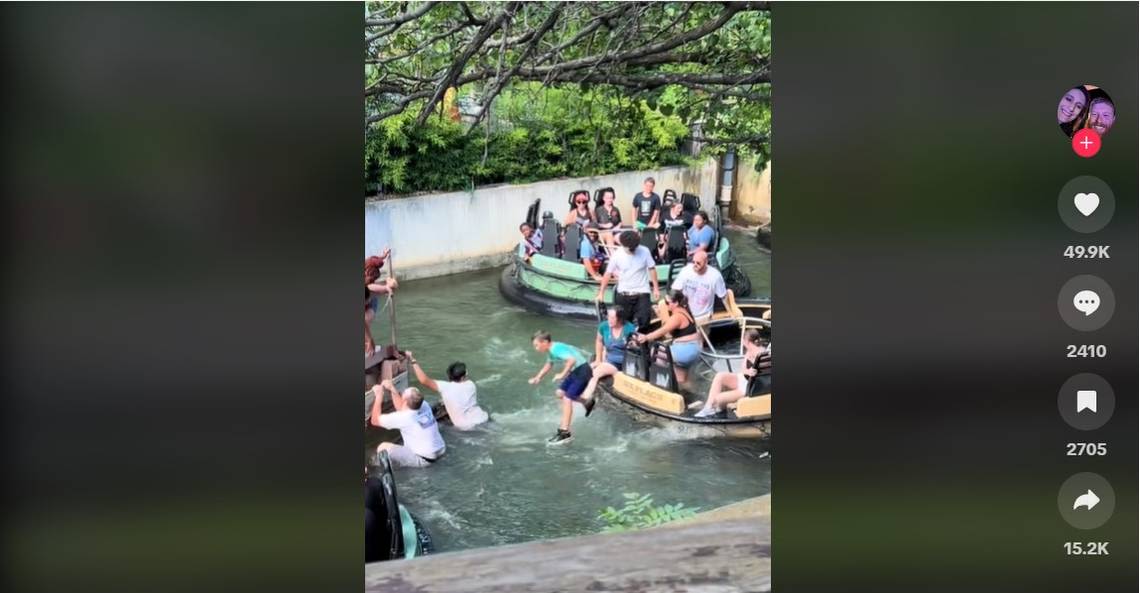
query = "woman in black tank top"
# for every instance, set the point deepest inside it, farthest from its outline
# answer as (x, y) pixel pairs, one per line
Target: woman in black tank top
(580, 214)
(607, 216)
(677, 321)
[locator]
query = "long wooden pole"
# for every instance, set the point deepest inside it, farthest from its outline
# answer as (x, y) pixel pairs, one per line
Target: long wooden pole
(392, 298)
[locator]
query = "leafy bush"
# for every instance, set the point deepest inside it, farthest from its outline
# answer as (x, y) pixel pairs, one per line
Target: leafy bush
(640, 512)
(536, 133)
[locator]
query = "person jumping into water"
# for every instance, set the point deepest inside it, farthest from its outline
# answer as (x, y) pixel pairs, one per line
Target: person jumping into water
(575, 374)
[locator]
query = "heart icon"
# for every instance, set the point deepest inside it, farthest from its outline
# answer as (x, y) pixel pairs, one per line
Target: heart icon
(1086, 203)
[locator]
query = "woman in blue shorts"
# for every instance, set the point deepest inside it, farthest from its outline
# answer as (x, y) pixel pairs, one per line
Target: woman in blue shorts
(677, 321)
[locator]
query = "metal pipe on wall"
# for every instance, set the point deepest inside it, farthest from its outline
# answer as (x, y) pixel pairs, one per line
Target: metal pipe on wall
(727, 180)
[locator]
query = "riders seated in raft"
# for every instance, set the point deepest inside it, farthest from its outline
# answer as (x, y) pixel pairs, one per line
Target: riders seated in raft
(580, 214)
(531, 242)
(675, 216)
(729, 387)
(677, 321)
(701, 235)
(591, 254)
(607, 216)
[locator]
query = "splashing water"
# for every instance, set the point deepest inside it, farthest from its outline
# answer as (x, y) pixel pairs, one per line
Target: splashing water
(501, 483)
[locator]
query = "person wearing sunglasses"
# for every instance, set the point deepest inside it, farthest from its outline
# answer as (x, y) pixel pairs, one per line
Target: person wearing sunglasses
(580, 214)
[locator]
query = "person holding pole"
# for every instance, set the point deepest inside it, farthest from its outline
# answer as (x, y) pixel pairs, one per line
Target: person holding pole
(372, 289)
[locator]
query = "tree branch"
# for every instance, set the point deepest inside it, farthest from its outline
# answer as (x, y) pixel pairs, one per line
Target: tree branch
(477, 42)
(500, 82)
(402, 17)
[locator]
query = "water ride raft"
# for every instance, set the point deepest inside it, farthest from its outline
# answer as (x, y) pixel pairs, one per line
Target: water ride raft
(558, 284)
(391, 531)
(647, 389)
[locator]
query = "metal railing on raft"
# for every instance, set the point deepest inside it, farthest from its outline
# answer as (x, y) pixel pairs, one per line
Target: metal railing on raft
(710, 355)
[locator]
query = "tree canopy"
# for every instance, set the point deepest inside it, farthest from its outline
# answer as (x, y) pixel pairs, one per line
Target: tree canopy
(657, 73)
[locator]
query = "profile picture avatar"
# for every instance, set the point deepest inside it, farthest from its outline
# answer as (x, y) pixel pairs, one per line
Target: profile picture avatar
(1085, 107)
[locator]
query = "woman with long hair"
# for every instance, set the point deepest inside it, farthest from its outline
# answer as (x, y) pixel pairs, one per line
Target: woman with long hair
(729, 387)
(580, 213)
(1073, 110)
(677, 321)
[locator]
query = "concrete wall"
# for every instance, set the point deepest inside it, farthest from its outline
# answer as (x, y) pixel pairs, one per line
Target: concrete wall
(752, 196)
(439, 234)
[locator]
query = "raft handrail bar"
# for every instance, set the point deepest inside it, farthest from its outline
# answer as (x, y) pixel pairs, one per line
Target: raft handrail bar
(714, 355)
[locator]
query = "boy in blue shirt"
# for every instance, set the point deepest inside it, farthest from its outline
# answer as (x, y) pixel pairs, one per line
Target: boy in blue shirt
(574, 377)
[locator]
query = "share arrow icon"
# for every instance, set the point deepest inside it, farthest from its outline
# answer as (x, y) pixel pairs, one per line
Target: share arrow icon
(1088, 500)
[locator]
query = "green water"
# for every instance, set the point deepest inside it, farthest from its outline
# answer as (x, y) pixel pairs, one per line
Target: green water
(500, 483)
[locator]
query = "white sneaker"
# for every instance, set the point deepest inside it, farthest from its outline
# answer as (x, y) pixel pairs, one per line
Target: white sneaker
(705, 413)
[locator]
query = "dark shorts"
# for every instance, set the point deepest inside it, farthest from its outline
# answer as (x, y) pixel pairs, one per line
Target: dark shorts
(637, 308)
(575, 383)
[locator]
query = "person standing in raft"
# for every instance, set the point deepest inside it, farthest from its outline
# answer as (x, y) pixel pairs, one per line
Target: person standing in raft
(646, 211)
(372, 290)
(634, 267)
(701, 284)
(423, 445)
(573, 377)
(458, 394)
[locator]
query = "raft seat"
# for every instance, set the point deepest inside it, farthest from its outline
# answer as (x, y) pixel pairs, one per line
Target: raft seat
(550, 234)
(634, 364)
(571, 243)
(759, 405)
(691, 203)
(661, 368)
(675, 246)
(649, 241)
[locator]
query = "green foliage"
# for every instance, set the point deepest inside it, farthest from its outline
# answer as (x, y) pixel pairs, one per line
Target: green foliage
(535, 134)
(565, 111)
(639, 511)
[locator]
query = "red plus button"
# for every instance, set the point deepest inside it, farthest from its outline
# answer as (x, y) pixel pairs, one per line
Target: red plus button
(1086, 143)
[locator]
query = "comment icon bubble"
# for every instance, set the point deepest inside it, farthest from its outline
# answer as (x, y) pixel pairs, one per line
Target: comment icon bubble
(1087, 302)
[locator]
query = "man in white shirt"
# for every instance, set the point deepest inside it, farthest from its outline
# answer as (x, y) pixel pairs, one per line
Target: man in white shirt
(701, 284)
(635, 269)
(423, 444)
(458, 394)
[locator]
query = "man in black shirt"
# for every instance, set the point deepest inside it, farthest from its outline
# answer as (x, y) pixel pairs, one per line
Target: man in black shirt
(647, 206)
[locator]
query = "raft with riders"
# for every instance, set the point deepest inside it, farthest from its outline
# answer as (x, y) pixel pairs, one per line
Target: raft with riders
(697, 356)
(558, 264)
